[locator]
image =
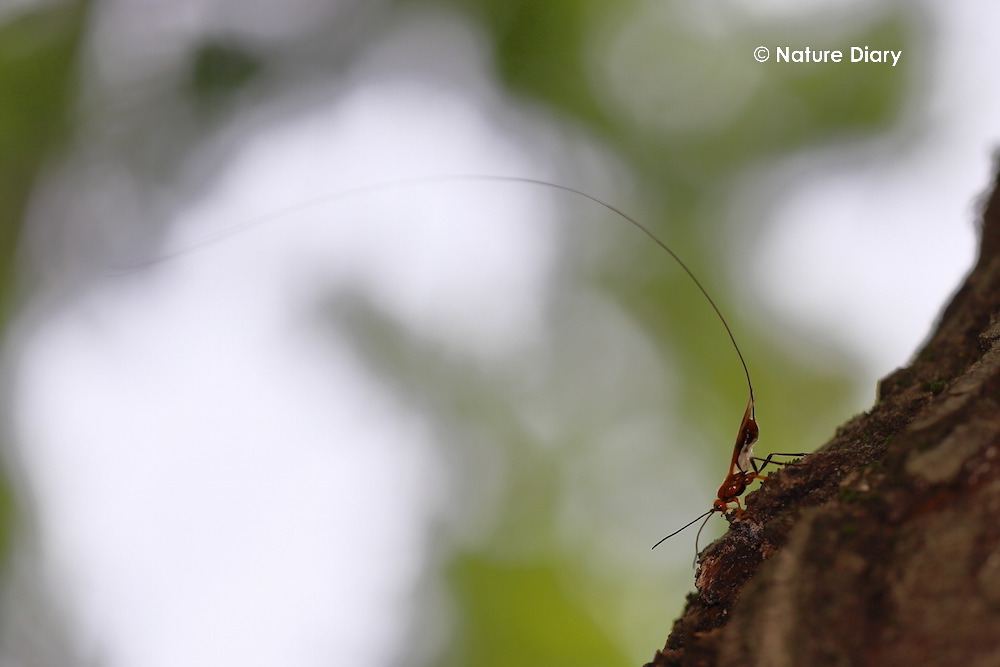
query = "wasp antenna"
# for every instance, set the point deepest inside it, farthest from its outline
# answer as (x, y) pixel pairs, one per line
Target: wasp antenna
(696, 538)
(687, 525)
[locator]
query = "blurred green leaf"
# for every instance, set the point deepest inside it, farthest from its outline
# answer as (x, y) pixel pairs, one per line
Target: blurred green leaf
(220, 69)
(522, 614)
(38, 51)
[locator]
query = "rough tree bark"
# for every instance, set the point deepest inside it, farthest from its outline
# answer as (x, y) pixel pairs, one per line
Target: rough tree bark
(883, 548)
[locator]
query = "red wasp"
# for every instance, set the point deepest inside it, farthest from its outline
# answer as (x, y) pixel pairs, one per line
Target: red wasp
(744, 468)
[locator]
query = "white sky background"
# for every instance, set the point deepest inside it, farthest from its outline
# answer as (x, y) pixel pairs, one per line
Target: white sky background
(239, 493)
(870, 243)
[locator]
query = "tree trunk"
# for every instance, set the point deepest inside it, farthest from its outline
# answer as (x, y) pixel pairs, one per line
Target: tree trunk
(883, 547)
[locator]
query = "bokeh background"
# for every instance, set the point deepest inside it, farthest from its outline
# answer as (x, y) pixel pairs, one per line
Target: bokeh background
(268, 401)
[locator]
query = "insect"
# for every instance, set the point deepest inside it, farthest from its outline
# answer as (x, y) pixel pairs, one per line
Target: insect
(745, 467)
